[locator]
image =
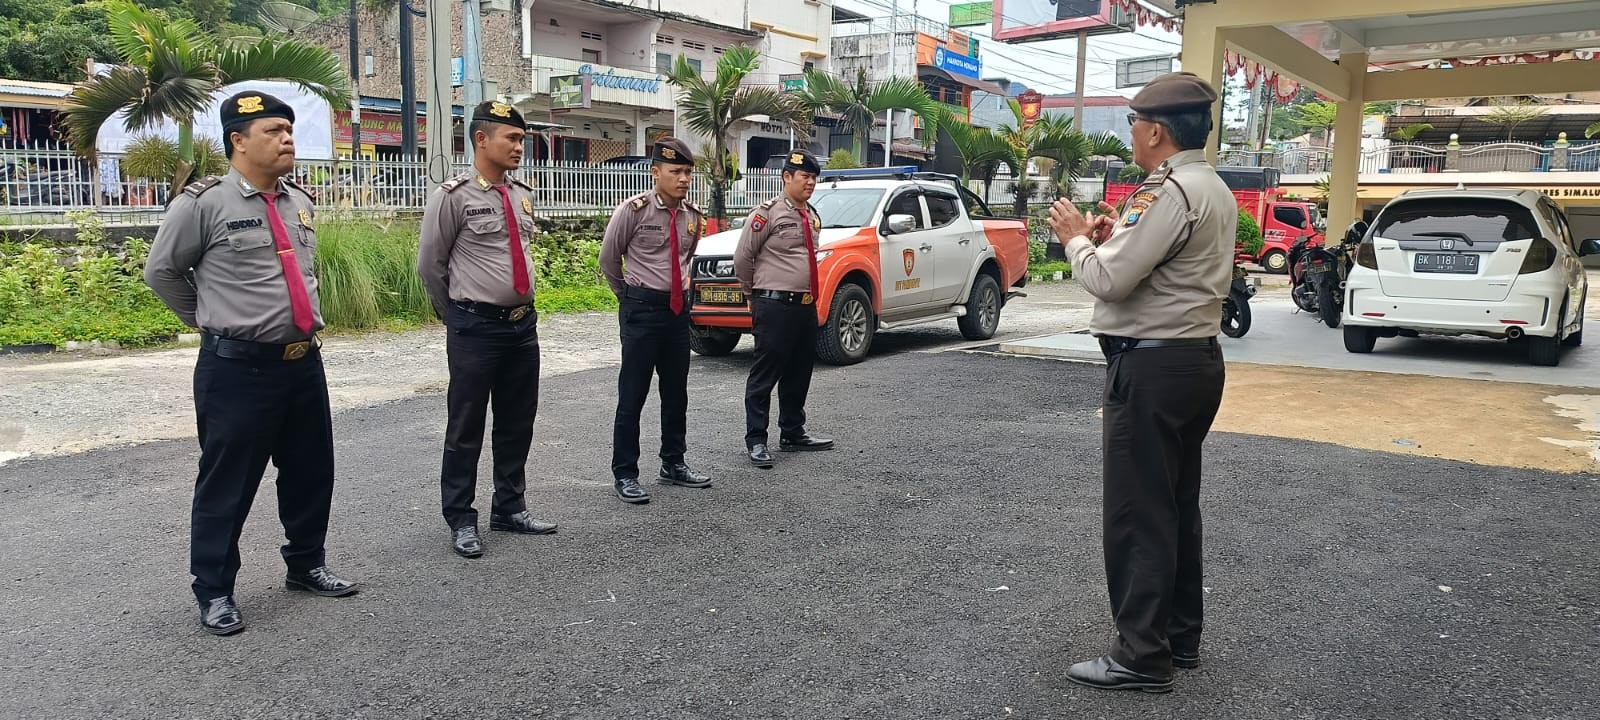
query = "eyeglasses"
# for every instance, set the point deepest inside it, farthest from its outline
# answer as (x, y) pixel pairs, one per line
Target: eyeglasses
(1134, 117)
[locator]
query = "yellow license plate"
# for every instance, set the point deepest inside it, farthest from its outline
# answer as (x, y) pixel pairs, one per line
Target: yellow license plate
(722, 295)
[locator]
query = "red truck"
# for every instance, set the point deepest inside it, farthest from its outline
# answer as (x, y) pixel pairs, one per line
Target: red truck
(1257, 191)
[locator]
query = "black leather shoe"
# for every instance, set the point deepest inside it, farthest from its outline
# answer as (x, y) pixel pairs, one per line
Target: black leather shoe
(320, 581)
(804, 442)
(465, 541)
(219, 616)
(520, 522)
(683, 476)
(1107, 674)
(628, 491)
(759, 456)
(1186, 659)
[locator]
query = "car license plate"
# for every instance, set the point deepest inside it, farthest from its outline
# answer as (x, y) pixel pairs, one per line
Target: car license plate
(721, 295)
(1464, 264)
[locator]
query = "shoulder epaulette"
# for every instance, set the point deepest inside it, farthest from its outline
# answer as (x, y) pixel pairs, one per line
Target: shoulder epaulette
(694, 207)
(203, 184)
(768, 204)
(288, 182)
(638, 202)
(1159, 176)
(455, 182)
(524, 184)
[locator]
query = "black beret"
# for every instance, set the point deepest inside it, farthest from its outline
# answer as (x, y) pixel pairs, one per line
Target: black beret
(247, 106)
(499, 112)
(671, 151)
(1178, 92)
(802, 160)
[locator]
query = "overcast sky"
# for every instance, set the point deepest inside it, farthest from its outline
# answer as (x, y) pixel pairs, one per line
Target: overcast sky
(1048, 66)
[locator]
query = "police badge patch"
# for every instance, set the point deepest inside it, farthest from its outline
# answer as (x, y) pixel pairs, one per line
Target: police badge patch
(758, 222)
(1137, 206)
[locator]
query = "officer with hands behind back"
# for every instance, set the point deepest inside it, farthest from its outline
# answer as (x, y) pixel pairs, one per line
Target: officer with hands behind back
(233, 257)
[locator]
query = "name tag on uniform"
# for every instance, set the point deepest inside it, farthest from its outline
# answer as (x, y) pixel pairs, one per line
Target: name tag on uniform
(475, 212)
(245, 224)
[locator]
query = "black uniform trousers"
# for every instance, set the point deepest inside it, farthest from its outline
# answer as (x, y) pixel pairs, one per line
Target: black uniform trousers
(246, 412)
(654, 341)
(493, 363)
(786, 342)
(1159, 405)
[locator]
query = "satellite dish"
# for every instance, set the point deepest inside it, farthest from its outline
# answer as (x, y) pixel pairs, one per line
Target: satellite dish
(286, 17)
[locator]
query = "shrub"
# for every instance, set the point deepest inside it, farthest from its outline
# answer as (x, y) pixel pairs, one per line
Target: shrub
(1131, 174)
(841, 159)
(1249, 234)
(156, 158)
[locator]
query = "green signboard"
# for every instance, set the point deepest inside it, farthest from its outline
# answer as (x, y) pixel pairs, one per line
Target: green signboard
(971, 14)
(568, 92)
(792, 83)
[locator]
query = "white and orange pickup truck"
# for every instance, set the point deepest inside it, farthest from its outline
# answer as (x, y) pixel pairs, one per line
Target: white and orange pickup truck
(898, 247)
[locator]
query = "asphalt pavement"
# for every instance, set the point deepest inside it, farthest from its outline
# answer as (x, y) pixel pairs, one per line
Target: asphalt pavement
(944, 562)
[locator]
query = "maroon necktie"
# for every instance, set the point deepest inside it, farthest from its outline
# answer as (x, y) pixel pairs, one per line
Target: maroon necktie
(519, 259)
(299, 299)
(676, 303)
(811, 250)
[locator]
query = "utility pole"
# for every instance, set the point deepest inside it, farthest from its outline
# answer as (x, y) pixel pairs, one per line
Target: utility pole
(472, 75)
(894, 32)
(1083, 57)
(441, 133)
(355, 95)
(408, 85)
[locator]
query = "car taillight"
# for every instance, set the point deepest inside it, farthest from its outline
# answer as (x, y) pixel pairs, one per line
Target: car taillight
(1541, 255)
(1366, 256)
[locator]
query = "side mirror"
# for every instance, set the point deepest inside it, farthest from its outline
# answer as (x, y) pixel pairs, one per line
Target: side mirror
(901, 224)
(1589, 247)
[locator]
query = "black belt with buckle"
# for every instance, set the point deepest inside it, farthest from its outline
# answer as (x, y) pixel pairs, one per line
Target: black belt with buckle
(658, 297)
(794, 298)
(248, 350)
(1113, 344)
(495, 312)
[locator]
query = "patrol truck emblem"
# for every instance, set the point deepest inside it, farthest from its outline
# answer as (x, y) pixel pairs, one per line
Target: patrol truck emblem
(500, 110)
(250, 104)
(910, 257)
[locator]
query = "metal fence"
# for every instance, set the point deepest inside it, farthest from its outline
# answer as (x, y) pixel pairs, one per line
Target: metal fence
(39, 185)
(1408, 158)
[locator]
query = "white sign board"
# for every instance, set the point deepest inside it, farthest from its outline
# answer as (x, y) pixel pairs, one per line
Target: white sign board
(1138, 72)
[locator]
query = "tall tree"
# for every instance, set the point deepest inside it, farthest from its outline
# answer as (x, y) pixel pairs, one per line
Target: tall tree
(170, 69)
(1510, 115)
(711, 107)
(860, 103)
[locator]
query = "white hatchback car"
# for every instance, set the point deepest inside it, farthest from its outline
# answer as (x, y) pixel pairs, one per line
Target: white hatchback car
(1496, 262)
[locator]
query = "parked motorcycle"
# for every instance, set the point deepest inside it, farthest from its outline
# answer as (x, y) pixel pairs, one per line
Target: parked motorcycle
(1317, 274)
(1236, 306)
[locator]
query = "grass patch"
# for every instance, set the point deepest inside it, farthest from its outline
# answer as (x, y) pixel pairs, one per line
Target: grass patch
(574, 299)
(1047, 270)
(367, 273)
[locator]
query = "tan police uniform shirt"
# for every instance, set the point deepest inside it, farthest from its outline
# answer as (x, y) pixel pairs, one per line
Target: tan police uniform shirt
(771, 254)
(215, 263)
(465, 251)
(639, 232)
(1140, 295)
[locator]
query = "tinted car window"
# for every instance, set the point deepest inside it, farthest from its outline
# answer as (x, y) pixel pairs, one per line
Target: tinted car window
(1289, 215)
(906, 204)
(1482, 220)
(942, 209)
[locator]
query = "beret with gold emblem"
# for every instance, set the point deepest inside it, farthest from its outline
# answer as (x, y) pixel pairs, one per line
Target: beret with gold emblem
(499, 112)
(803, 161)
(247, 106)
(670, 151)
(1179, 92)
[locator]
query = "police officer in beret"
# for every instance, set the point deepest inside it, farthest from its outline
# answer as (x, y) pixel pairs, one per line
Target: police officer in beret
(1159, 270)
(474, 262)
(776, 263)
(233, 257)
(645, 259)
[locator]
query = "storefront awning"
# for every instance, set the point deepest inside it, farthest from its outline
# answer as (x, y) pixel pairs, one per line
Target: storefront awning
(973, 83)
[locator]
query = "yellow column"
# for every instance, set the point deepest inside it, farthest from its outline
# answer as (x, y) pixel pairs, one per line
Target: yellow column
(1347, 147)
(1202, 55)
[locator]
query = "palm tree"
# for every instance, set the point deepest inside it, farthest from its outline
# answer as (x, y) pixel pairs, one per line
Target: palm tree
(860, 103)
(982, 150)
(1056, 140)
(1592, 130)
(1510, 115)
(711, 107)
(171, 69)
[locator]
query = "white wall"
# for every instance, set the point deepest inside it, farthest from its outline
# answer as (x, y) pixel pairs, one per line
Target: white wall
(733, 13)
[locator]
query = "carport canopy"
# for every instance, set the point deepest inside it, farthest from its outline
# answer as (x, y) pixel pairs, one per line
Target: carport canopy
(1359, 51)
